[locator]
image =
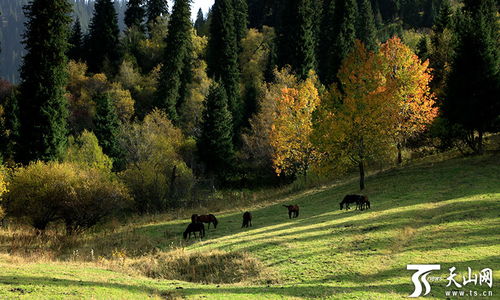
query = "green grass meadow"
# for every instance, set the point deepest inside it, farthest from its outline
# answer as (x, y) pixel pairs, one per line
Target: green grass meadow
(445, 213)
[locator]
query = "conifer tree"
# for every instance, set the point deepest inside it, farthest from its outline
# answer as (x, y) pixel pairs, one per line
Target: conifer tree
(215, 143)
(106, 125)
(198, 23)
(240, 20)
(42, 103)
(222, 56)
(442, 48)
(296, 37)
(176, 61)
(367, 31)
(103, 41)
(473, 83)
(155, 9)
(9, 128)
(135, 13)
(76, 42)
(343, 32)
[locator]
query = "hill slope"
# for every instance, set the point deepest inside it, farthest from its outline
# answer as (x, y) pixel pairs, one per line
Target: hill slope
(445, 213)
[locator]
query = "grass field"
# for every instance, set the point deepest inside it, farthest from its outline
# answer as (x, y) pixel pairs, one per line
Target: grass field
(445, 213)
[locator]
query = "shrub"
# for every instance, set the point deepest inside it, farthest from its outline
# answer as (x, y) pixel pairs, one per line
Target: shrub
(156, 170)
(3, 189)
(80, 196)
(85, 150)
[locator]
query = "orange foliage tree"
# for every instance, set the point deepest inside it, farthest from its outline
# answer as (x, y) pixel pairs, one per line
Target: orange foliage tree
(356, 118)
(290, 135)
(411, 79)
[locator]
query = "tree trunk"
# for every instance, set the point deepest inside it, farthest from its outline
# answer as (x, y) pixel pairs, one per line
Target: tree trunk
(400, 156)
(480, 142)
(361, 175)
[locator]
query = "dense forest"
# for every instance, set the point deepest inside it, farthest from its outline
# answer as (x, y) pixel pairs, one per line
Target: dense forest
(12, 28)
(161, 111)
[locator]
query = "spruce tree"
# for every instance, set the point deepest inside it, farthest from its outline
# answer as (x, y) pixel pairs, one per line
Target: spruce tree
(155, 9)
(367, 31)
(176, 61)
(200, 20)
(343, 32)
(103, 41)
(240, 20)
(135, 13)
(442, 48)
(473, 83)
(222, 56)
(9, 128)
(296, 37)
(215, 144)
(106, 126)
(75, 51)
(42, 103)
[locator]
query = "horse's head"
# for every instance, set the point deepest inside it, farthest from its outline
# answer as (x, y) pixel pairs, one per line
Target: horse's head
(185, 234)
(215, 221)
(341, 205)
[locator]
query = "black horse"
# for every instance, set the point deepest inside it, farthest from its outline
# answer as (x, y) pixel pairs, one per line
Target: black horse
(350, 199)
(293, 210)
(194, 228)
(247, 220)
(363, 203)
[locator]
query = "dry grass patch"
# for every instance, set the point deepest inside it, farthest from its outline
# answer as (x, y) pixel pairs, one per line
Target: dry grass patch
(214, 266)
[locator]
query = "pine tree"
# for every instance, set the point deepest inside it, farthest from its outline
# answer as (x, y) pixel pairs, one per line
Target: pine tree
(103, 41)
(215, 143)
(442, 48)
(443, 19)
(135, 13)
(473, 83)
(9, 128)
(222, 56)
(155, 9)
(176, 61)
(367, 31)
(343, 32)
(75, 51)
(240, 20)
(296, 37)
(200, 20)
(42, 103)
(106, 125)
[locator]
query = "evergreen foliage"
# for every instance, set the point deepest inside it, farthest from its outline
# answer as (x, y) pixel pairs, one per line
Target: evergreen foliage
(107, 125)
(103, 53)
(222, 56)
(367, 31)
(155, 9)
(76, 42)
(135, 13)
(240, 20)
(215, 144)
(175, 70)
(42, 103)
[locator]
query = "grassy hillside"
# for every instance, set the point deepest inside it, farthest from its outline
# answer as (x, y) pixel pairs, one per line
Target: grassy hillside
(446, 213)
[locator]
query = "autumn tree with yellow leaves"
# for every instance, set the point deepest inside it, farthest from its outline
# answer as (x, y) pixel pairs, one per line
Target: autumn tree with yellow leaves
(291, 131)
(411, 79)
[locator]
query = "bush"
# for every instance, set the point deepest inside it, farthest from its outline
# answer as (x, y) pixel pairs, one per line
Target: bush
(85, 150)
(156, 173)
(3, 189)
(80, 196)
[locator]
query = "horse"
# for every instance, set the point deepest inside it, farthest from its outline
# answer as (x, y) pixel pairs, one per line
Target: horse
(194, 228)
(208, 219)
(363, 203)
(247, 220)
(293, 210)
(194, 218)
(349, 199)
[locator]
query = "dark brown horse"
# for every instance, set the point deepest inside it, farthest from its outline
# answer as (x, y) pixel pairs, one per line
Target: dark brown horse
(293, 210)
(210, 219)
(351, 199)
(194, 228)
(363, 203)
(247, 220)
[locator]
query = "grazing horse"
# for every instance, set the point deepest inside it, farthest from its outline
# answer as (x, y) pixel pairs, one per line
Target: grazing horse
(208, 219)
(194, 218)
(194, 228)
(247, 220)
(363, 203)
(293, 211)
(349, 199)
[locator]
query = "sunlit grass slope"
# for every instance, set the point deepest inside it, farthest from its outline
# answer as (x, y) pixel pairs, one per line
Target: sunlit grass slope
(446, 213)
